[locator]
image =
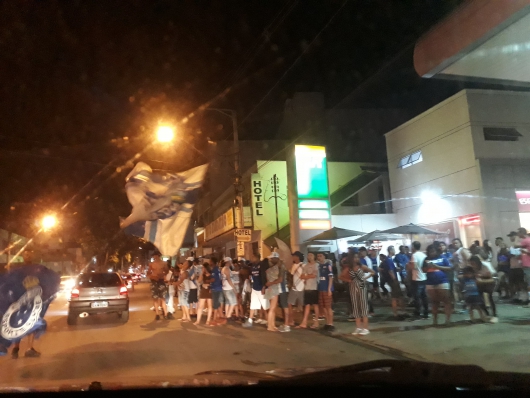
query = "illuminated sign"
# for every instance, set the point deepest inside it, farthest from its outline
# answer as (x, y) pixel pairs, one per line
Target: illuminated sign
(315, 224)
(312, 187)
(258, 187)
(313, 204)
(470, 220)
(523, 201)
(311, 172)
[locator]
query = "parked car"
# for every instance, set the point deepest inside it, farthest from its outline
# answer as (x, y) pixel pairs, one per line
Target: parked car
(98, 293)
(129, 280)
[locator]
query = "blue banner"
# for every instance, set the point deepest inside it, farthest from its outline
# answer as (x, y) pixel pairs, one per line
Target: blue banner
(25, 295)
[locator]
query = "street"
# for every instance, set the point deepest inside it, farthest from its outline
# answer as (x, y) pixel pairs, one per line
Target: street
(101, 348)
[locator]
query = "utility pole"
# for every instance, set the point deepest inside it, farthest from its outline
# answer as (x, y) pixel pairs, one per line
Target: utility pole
(237, 179)
(275, 190)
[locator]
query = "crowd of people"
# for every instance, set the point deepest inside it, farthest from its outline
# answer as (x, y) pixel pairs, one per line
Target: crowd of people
(439, 279)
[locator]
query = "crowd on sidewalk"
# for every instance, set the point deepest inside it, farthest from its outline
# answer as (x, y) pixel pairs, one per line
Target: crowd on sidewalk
(440, 279)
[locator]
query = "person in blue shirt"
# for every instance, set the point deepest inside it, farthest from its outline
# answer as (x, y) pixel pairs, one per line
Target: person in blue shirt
(401, 260)
(325, 289)
(388, 273)
(436, 267)
(471, 293)
(217, 292)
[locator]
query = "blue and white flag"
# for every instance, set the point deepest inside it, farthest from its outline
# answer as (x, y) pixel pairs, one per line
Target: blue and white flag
(25, 294)
(162, 205)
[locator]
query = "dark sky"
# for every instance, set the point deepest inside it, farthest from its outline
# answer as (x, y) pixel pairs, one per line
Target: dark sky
(79, 76)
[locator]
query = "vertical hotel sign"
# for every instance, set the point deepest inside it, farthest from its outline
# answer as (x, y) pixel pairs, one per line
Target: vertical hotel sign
(312, 187)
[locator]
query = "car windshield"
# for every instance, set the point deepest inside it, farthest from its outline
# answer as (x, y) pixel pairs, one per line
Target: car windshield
(98, 280)
(261, 185)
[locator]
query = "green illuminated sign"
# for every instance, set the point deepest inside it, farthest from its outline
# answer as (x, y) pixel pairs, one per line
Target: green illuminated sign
(311, 172)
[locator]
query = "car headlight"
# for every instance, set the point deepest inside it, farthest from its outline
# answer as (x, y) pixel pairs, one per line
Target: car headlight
(70, 283)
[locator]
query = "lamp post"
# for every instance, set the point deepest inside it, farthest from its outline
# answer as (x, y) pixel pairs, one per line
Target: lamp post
(237, 183)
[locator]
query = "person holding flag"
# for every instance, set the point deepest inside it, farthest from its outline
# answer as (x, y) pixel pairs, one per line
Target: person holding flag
(26, 292)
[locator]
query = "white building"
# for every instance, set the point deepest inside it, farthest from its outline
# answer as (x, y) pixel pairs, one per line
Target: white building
(458, 166)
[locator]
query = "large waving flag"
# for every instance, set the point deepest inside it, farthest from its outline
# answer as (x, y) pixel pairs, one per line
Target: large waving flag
(162, 205)
(25, 294)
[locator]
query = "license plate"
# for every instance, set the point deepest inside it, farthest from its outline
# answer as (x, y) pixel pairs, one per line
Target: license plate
(101, 304)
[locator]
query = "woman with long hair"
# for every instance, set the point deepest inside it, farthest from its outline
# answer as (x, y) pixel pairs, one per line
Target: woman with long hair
(359, 294)
(487, 249)
(436, 267)
(205, 295)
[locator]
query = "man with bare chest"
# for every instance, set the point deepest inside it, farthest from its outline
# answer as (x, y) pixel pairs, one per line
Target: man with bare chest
(156, 273)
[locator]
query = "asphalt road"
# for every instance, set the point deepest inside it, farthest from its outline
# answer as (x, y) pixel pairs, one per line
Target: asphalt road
(104, 349)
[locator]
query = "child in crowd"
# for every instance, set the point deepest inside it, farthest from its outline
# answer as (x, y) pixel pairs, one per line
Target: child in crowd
(472, 296)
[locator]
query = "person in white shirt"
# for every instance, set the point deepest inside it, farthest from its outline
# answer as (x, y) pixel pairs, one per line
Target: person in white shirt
(193, 279)
(419, 279)
(296, 294)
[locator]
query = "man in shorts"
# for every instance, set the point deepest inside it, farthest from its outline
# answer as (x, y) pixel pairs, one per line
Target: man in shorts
(193, 282)
(296, 294)
(310, 277)
(229, 288)
(156, 273)
(325, 290)
(258, 278)
(284, 293)
(217, 292)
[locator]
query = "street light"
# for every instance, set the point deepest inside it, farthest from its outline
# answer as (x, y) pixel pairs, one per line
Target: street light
(165, 133)
(48, 222)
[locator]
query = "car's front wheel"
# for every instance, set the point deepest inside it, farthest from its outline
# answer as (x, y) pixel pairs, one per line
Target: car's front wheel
(124, 316)
(72, 318)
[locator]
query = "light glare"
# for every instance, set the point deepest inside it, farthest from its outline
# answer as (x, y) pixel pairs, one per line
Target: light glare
(49, 222)
(165, 134)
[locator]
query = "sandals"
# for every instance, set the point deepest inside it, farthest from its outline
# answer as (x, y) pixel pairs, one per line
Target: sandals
(300, 327)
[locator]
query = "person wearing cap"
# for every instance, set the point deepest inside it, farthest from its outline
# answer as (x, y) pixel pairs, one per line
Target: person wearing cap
(273, 289)
(296, 294)
(229, 288)
(156, 273)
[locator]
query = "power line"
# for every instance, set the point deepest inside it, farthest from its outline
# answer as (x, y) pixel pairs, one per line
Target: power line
(295, 61)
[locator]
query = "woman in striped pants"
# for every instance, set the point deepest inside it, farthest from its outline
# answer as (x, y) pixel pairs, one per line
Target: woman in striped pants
(359, 294)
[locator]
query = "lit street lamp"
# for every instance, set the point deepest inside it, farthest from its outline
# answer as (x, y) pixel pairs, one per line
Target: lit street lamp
(165, 134)
(48, 222)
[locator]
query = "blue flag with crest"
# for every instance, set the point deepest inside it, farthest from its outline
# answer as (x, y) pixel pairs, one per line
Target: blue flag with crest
(25, 295)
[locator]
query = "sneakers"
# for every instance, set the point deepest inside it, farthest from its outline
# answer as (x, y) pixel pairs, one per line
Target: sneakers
(170, 316)
(364, 332)
(261, 321)
(329, 328)
(157, 318)
(357, 331)
(247, 323)
(32, 353)
(494, 319)
(351, 319)
(284, 328)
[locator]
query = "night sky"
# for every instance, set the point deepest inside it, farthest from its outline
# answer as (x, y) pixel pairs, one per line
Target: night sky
(84, 83)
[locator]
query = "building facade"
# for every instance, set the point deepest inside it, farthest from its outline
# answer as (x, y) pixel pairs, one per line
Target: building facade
(460, 166)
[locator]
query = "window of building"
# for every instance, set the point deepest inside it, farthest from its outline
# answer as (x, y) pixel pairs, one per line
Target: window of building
(501, 134)
(409, 160)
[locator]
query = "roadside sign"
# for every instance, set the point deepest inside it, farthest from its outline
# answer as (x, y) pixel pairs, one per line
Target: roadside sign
(240, 248)
(243, 234)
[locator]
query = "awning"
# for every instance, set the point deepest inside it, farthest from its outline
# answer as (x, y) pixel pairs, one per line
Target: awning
(482, 39)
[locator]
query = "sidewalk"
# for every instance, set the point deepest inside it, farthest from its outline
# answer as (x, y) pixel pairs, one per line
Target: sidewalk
(504, 346)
